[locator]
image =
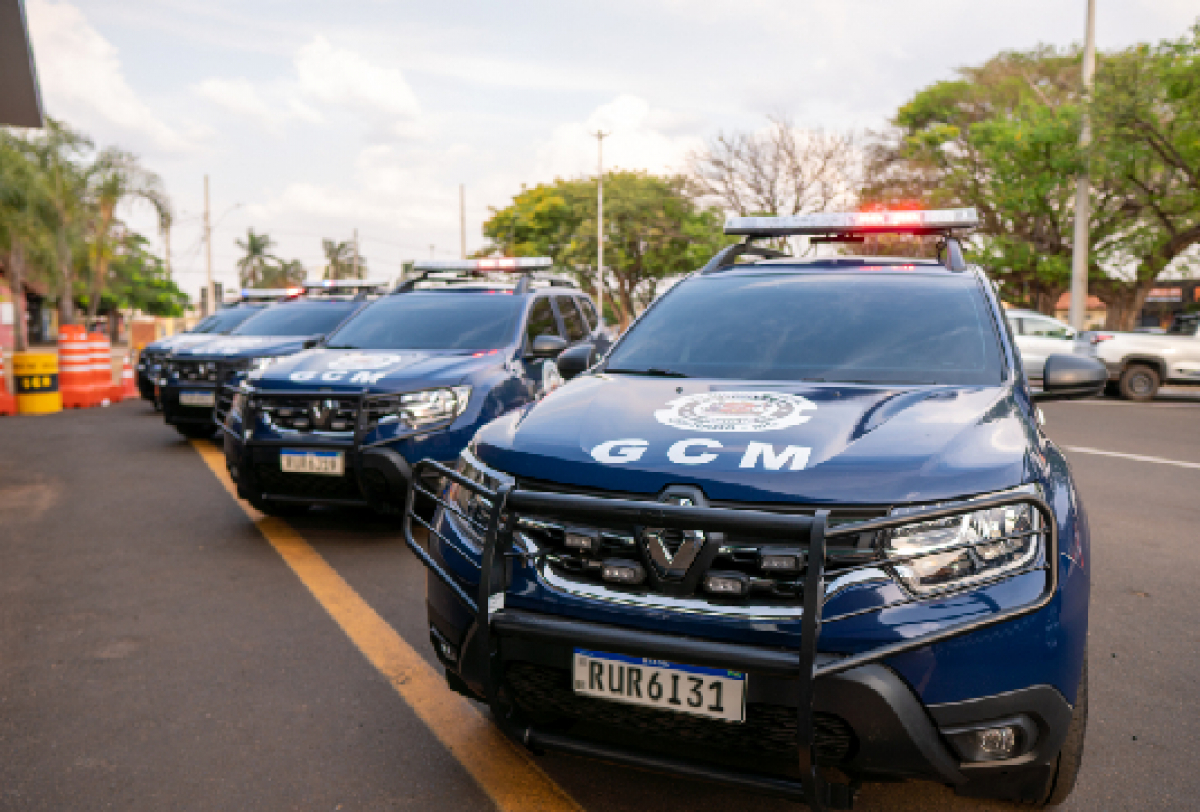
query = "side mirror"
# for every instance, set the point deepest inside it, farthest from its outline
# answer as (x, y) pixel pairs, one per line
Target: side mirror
(547, 346)
(576, 360)
(1072, 376)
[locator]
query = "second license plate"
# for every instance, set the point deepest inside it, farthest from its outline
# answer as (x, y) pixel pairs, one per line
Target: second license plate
(713, 692)
(197, 398)
(331, 463)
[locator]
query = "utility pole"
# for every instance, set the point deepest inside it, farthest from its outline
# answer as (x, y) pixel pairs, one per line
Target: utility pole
(1079, 256)
(462, 220)
(211, 305)
(354, 275)
(600, 136)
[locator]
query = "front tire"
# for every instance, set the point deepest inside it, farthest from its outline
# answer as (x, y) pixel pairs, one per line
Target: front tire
(1070, 757)
(1139, 382)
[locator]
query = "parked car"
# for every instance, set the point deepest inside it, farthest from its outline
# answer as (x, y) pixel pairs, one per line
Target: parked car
(151, 357)
(194, 378)
(800, 528)
(1038, 337)
(1139, 363)
(412, 376)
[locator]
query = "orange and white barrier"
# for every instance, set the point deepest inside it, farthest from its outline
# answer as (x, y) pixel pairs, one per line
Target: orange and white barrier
(127, 388)
(75, 380)
(101, 357)
(8, 403)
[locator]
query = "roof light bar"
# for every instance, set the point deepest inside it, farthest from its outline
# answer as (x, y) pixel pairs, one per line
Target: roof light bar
(269, 293)
(354, 284)
(483, 265)
(862, 222)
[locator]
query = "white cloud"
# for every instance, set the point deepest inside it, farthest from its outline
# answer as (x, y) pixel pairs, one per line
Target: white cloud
(336, 76)
(639, 137)
(82, 80)
(242, 97)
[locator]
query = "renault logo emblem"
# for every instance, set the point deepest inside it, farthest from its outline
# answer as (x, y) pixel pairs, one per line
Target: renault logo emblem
(322, 412)
(673, 551)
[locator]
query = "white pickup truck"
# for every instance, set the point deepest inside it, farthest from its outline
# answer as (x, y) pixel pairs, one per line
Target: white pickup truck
(1139, 363)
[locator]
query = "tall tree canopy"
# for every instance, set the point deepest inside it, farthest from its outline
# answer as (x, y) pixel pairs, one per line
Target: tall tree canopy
(340, 262)
(653, 229)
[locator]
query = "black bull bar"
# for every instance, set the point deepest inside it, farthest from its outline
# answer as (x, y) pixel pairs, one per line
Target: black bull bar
(812, 533)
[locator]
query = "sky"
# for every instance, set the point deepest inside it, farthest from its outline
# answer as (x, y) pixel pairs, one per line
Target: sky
(313, 119)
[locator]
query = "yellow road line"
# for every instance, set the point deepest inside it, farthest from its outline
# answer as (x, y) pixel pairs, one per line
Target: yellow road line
(502, 770)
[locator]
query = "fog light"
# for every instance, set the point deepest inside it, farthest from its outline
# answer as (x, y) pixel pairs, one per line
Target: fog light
(782, 561)
(619, 571)
(579, 540)
(1002, 739)
(727, 583)
(997, 742)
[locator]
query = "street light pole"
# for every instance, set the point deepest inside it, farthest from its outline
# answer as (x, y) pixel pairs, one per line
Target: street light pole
(210, 305)
(1079, 256)
(600, 136)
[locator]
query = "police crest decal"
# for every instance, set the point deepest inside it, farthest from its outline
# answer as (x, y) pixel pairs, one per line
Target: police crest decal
(736, 411)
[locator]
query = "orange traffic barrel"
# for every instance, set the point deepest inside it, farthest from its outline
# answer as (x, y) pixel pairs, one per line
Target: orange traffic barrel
(36, 378)
(128, 385)
(8, 404)
(74, 366)
(101, 369)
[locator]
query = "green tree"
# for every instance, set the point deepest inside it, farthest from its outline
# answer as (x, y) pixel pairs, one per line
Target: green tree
(1146, 113)
(257, 260)
(116, 178)
(26, 223)
(139, 281)
(1003, 138)
(284, 274)
(653, 229)
(340, 261)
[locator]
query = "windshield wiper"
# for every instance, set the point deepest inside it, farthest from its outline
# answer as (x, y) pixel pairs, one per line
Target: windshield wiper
(653, 372)
(340, 347)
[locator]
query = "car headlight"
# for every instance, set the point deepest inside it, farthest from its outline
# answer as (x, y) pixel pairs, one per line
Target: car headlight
(473, 510)
(430, 406)
(982, 544)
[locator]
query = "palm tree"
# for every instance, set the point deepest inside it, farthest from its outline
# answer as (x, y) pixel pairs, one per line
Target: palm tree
(26, 220)
(66, 182)
(116, 177)
(254, 266)
(284, 274)
(339, 260)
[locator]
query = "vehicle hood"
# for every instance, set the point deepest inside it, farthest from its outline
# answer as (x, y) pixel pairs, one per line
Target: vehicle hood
(373, 370)
(235, 347)
(177, 341)
(764, 442)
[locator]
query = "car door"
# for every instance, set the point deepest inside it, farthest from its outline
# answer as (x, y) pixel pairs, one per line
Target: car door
(573, 325)
(1039, 338)
(541, 374)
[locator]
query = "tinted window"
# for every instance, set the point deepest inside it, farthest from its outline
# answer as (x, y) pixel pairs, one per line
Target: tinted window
(433, 321)
(541, 321)
(297, 319)
(1183, 326)
(589, 312)
(572, 321)
(836, 327)
(225, 320)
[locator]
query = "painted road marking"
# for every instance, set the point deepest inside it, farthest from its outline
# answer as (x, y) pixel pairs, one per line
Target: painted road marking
(1138, 457)
(501, 769)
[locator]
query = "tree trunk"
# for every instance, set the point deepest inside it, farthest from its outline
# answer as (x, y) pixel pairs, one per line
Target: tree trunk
(1125, 303)
(99, 274)
(66, 299)
(16, 270)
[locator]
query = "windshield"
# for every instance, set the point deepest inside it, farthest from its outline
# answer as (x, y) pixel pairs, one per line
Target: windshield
(823, 327)
(297, 319)
(225, 320)
(433, 321)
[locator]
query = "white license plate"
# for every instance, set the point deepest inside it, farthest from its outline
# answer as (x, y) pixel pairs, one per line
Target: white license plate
(197, 398)
(331, 463)
(713, 692)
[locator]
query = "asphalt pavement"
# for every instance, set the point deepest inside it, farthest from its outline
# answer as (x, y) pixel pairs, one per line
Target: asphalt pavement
(161, 647)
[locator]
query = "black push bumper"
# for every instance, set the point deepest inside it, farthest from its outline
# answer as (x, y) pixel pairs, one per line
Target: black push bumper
(895, 735)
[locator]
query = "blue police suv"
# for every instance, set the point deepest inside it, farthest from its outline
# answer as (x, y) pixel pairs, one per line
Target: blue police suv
(151, 357)
(195, 380)
(800, 528)
(411, 376)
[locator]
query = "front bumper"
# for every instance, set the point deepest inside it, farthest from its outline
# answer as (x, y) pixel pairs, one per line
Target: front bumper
(847, 711)
(176, 414)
